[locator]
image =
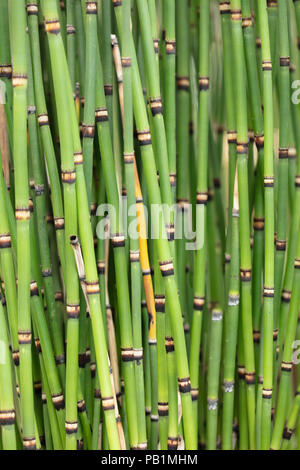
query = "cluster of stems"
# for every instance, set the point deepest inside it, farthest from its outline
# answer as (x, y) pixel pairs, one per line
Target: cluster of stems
(149, 224)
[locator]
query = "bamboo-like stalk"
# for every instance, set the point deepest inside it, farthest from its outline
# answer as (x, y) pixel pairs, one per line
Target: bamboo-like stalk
(269, 228)
(129, 162)
(22, 212)
(245, 254)
(202, 197)
(231, 332)
(166, 265)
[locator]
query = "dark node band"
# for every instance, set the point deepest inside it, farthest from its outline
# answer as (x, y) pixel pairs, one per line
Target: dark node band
(92, 287)
(246, 275)
(297, 263)
(88, 131)
(268, 292)
(242, 148)
(134, 256)
(167, 268)
(287, 434)
(170, 230)
(24, 337)
(194, 394)
(144, 137)
(236, 15)
(108, 90)
(38, 344)
(108, 403)
(82, 360)
(286, 296)
(202, 198)
(138, 355)
(101, 114)
(199, 303)
(182, 204)
(39, 190)
(126, 62)
(280, 245)
(259, 223)
(118, 240)
(19, 80)
(58, 401)
(260, 141)
(231, 137)
(7, 417)
(267, 393)
(29, 443)
(247, 22)
(183, 83)
(250, 378)
(283, 153)
(71, 29)
(91, 8)
(127, 354)
(170, 47)
(156, 45)
(285, 61)
(184, 385)
(101, 267)
(16, 357)
(172, 443)
(68, 177)
(163, 409)
(203, 83)
(128, 158)
(267, 65)
(31, 110)
(160, 303)
(224, 8)
(61, 359)
(73, 311)
(169, 344)
(156, 106)
(32, 9)
(286, 366)
(81, 407)
(22, 213)
(256, 336)
(71, 427)
(5, 71)
(52, 26)
(269, 181)
(58, 296)
(5, 240)
(275, 334)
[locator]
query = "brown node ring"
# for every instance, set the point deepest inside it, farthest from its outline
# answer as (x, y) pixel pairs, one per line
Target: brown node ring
(52, 26)
(68, 177)
(24, 337)
(156, 106)
(170, 47)
(7, 417)
(73, 311)
(144, 137)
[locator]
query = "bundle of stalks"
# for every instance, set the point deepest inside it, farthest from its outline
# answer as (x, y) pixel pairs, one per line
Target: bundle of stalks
(149, 224)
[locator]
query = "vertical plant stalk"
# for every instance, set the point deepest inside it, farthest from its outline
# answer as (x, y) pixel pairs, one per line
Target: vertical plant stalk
(135, 266)
(22, 214)
(201, 198)
(269, 227)
(166, 263)
(245, 253)
(231, 332)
